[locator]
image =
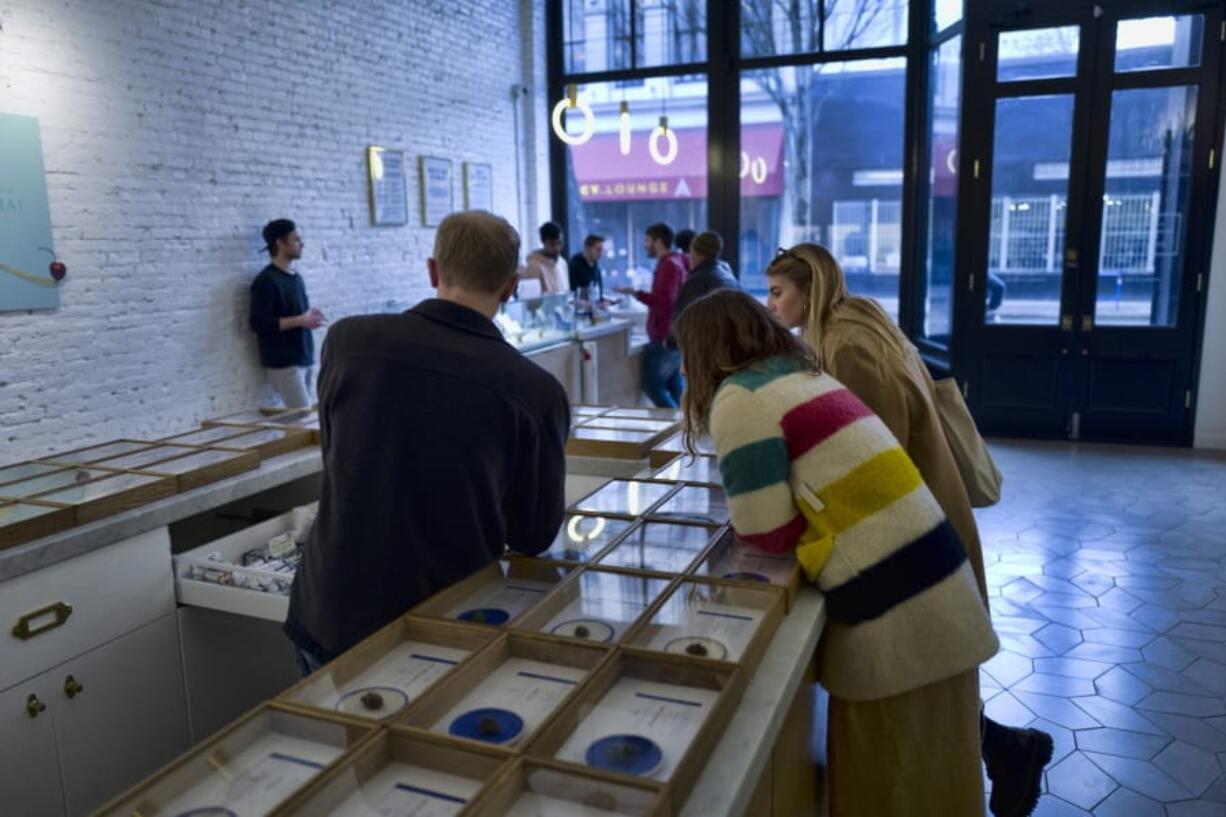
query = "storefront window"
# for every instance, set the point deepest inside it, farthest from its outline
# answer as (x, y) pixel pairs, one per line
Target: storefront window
(769, 28)
(613, 35)
(944, 104)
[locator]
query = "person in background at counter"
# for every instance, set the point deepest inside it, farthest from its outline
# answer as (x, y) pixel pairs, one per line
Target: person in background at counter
(547, 264)
(661, 365)
(442, 445)
(707, 272)
(682, 242)
(585, 267)
(282, 317)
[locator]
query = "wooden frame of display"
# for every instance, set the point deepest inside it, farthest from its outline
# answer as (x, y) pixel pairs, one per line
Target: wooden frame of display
(594, 554)
(715, 536)
(58, 518)
(429, 709)
(212, 442)
(656, 471)
(294, 439)
(360, 657)
(614, 449)
(536, 617)
(631, 412)
(573, 508)
(791, 585)
(727, 679)
(132, 800)
(8, 495)
(62, 457)
(436, 606)
(483, 764)
(159, 488)
(44, 469)
(239, 462)
(512, 782)
(770, 598)
(271, 421)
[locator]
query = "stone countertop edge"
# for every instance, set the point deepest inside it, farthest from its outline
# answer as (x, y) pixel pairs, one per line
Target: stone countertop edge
(602, 329)
(77, 541)
(731, 773)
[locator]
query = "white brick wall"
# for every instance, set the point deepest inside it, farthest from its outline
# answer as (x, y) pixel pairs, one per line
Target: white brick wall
(174, 129)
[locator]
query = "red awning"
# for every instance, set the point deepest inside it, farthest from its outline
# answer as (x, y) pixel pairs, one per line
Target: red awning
(602, 173)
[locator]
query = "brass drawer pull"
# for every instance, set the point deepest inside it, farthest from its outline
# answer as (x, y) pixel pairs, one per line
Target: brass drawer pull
(34, 706)
(25, 628)
(72, 687)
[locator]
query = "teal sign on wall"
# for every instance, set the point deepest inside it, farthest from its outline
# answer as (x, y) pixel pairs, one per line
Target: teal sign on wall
(25, 219)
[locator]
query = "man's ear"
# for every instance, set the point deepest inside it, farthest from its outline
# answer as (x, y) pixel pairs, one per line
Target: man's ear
(509, 289)
(432, 269)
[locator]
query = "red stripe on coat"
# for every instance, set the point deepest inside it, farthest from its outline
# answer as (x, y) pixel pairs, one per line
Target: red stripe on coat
(813, 422)
(779, 540)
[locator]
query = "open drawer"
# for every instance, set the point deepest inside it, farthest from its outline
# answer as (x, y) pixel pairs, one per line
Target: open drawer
(214, 575)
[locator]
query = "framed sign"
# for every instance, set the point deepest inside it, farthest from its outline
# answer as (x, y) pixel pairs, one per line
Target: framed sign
(389, 201)
(27, 261)
(478, 186)
(436, 192)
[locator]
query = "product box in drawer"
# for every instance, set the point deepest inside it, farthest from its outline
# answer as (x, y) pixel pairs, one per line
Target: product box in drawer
(402, 773)
(542, 788)
(734, 560)
(595, 605)
(381, 676)
(723, 621)
(248, 572)
(661, 547)
(504, 692)
(583, 537)
(26, 521)
(645, 715)
(111, 494)
(250, 768)
(497, 594)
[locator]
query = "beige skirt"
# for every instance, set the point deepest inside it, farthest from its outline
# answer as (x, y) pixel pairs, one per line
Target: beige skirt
(911, 755)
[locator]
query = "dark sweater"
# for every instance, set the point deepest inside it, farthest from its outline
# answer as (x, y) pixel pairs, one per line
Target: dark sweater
(276, 294)
(442, 445)
(583, 274)
(704, 279)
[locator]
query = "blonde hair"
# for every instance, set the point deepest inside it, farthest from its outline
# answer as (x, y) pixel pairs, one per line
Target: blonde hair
(817, 274)
(476, 251)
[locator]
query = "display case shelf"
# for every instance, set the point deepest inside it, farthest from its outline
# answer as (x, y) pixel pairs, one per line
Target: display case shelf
(596, 605)
(498, 594)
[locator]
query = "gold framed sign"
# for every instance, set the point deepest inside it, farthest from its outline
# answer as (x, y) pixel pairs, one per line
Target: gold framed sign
(478, 186)
(436, 190)
(389, 205)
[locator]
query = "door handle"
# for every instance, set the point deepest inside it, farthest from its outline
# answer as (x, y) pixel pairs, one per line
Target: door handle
(72, 687)
(34, 706)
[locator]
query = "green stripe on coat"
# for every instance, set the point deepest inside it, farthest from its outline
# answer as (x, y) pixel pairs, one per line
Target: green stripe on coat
(754, 466)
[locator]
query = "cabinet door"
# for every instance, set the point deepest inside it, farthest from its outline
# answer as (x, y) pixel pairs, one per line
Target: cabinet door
(128, 718)
(29, 764)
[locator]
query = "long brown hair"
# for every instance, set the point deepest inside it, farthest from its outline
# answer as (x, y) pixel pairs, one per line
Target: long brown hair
(720, 334)
(816, 273)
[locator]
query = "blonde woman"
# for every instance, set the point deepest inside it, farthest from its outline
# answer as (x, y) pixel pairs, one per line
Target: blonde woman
(855, 341)
(808, 467)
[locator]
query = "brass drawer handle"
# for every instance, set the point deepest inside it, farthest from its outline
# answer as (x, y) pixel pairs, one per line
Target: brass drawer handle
(25, 628)
(34, 706)
(72, 687)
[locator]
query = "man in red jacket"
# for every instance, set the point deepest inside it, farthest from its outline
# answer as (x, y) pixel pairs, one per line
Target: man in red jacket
(661, 365)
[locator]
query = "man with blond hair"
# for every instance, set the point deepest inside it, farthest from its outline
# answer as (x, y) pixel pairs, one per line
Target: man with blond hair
(442, 445)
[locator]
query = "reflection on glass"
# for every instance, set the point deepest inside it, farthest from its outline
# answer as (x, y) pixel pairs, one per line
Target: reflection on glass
(1039, 53)
(618, 195)
(1149, 179)
(946, 13)
(945, 82)
(765, 32)
(596, 35)
(864, 24)
(671, 33)
(1159, 42)
(1029, 207)
(822, 158)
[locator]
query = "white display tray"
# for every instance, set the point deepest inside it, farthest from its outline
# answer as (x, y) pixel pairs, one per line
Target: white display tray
(240, 600)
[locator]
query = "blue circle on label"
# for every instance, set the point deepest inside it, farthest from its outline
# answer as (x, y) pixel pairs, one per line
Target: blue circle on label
(488, 724)
(627, 754)
(485, 615)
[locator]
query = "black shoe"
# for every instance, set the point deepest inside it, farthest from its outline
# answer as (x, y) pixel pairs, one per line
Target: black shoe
(1015, 759)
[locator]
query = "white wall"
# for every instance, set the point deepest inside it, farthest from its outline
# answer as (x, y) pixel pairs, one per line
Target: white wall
(1211, 392)
(174, 129)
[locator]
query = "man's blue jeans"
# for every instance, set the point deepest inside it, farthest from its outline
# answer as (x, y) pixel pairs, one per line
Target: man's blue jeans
(662, 375)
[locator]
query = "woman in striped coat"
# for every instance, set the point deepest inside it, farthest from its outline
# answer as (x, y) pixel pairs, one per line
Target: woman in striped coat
(807, 466)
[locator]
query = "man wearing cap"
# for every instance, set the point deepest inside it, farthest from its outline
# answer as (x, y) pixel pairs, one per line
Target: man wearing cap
(282, 317)
(707, 272)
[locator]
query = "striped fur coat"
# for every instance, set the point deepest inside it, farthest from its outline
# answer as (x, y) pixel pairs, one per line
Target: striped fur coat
(807, 465)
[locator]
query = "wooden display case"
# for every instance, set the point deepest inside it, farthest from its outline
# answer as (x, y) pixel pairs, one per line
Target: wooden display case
(617, 433)
(203, 466)
(506, 691)
(533, 787)
(110, 495)
(722, 621)
(674, 447)
(671, 708)
(211, 436)
(399, 663)
(584, 537)
(402, 772)
(22, 522)
(700, 470)
(94, 453)
(732, 560)
(596, 605)
(63, 477)
(661, 547)
(705, 504)
(625, 497)
(268, 442)
(498, 594)
(21, 471)
(306, 419)
(251, 767)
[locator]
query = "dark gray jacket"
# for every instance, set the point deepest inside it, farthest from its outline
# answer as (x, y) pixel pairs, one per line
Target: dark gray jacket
(704, 279)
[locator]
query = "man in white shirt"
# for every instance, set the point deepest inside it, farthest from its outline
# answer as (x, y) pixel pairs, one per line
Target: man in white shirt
(547, 264)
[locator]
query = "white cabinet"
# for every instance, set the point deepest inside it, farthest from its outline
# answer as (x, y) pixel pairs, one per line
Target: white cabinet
(127, 718)
(29, 763)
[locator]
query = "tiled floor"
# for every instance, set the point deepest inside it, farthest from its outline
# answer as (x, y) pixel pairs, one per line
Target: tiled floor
(1107, 568)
